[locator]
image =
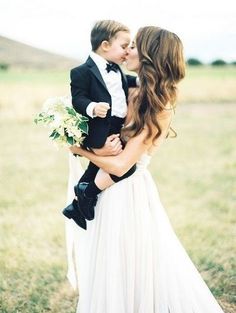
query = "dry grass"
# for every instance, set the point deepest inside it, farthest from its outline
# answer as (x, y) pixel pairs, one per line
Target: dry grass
(194, 174)
(209, 85)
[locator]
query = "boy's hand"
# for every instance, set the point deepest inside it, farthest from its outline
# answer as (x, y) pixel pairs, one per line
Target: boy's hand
(112, 146)
(100, 109)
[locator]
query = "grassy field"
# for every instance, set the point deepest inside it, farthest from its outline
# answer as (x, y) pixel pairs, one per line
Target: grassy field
(195, 175)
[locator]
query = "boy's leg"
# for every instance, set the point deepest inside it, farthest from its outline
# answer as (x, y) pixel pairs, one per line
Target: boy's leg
(103, 180)
(73, 211)
(87, 191)
(90, 173)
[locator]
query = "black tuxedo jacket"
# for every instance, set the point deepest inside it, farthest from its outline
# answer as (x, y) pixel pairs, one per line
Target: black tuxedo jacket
(87, 85)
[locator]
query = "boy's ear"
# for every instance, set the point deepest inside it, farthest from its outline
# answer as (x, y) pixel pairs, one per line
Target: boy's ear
(105, 45)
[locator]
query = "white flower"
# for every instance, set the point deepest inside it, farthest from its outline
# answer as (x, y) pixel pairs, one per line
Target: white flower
(64, 122)
(57, 122)
(67, 101)
(48, 104)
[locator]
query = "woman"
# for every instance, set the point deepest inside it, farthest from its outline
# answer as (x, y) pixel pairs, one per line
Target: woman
(130, 259)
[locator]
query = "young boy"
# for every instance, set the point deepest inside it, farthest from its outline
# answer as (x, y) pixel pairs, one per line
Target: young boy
(99, 91)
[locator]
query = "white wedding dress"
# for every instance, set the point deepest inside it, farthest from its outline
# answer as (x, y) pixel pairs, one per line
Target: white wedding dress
(130, 261)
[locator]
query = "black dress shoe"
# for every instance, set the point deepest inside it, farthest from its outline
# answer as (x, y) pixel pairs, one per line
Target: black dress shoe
(71, 211)
(86, 204)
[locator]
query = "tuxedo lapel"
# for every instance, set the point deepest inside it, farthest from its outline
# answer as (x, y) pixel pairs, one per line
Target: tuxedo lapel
(94, 69)
(124, 82)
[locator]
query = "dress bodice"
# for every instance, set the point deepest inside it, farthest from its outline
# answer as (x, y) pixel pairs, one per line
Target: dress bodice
(143, 161)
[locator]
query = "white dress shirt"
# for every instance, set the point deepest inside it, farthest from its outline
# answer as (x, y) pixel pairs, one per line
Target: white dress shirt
(114, 86)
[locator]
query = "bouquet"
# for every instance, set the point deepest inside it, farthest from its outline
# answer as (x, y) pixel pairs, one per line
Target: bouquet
(67, 126)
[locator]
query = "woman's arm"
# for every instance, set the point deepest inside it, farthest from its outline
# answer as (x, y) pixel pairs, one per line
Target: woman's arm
(118, 165)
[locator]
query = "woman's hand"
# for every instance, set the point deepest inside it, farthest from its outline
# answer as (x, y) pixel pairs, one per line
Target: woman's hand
(76, 150)
(113, 146)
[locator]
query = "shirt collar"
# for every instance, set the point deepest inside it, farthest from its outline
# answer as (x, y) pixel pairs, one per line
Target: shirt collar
(100, 61)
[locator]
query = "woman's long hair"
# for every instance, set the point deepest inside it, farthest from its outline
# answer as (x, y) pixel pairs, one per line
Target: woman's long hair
(161, 67)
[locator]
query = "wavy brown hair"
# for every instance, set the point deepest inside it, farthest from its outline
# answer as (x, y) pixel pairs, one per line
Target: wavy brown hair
(161, 67)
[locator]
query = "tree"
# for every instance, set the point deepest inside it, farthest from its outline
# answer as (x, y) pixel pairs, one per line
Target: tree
(4, 66)
(218, 62)
(194, 61)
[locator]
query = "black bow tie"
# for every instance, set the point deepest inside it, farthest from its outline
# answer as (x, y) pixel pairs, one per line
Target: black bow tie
(112, 67)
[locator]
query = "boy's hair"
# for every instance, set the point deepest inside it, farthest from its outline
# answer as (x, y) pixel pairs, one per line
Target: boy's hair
(105, 30)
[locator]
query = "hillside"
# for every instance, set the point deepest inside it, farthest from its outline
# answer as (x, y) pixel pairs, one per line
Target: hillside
(19, 55)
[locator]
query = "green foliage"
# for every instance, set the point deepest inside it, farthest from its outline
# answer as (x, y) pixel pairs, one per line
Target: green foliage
(4, 66)
(54, 135)
(194, 62)
(84, 127)
(43, 118)
(71, 111)
(70, 140)
(218, 62)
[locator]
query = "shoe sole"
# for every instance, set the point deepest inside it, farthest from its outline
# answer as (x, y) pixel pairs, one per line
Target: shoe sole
(67, 214)
(70, 216)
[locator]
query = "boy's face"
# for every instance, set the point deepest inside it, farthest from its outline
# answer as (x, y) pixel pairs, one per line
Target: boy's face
(118, 47)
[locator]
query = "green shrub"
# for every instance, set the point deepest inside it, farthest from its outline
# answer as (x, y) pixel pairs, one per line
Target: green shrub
(4, 66)
(194, 61)
(218, 62)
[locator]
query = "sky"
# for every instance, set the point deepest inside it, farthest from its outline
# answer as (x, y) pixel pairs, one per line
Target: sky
(207, 28)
